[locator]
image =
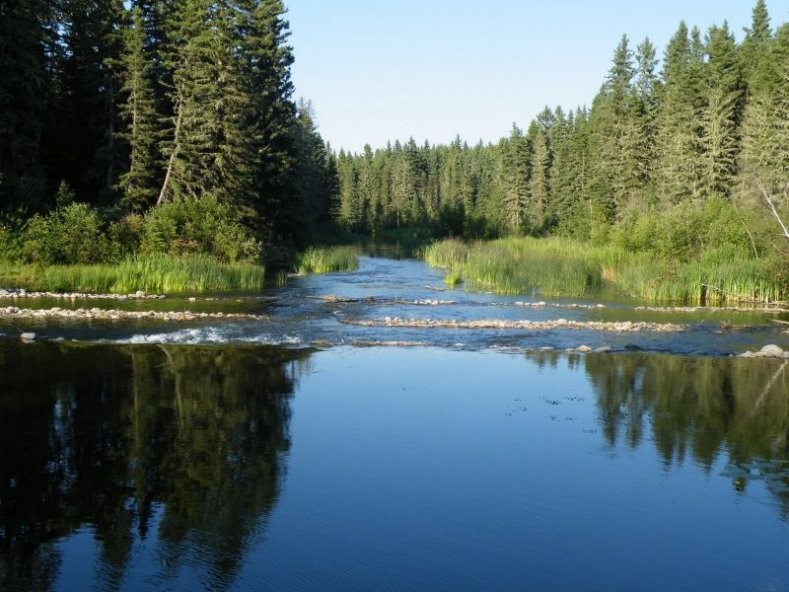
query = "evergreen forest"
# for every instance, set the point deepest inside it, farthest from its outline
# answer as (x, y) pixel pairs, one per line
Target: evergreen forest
(680, 157)
(155, 126)
(170, 127)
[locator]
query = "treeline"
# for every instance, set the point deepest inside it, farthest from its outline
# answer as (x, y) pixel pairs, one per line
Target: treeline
(701, 141)
(126, 106)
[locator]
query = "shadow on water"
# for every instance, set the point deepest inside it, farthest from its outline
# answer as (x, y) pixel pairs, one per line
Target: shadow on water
(115, 439)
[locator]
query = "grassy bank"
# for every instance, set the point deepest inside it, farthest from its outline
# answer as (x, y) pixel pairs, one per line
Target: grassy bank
(561, 267)
(162, 274)
(328, 259)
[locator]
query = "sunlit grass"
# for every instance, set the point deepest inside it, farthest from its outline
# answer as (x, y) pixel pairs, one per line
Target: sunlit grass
(328, 259)
(566, 268)
(163, 274)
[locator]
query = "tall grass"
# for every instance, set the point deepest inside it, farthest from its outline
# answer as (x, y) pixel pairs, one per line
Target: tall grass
(328, 259)
(564, 267)
(163, 274)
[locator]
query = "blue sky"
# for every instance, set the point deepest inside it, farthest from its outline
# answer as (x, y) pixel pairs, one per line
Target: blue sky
(378, 70)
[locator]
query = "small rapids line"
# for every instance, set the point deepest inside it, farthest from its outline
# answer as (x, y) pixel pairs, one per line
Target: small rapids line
(333, 299)
(616, 327)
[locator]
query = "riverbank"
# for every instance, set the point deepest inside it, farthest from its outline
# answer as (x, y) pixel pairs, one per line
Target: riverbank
(163, 274)
(560, 267)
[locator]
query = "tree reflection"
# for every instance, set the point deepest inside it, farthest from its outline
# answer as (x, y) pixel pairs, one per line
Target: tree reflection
(700, 408)
(109, 438)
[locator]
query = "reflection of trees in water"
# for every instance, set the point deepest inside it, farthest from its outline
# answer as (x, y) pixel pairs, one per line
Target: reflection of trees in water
(702, 408)
(108, 437)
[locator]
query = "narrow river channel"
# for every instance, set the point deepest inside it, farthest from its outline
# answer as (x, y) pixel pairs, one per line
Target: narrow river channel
(375, 430)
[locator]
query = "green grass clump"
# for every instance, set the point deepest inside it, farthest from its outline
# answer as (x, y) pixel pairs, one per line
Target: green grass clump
(163, 274)
(560, 267)
(328, 259)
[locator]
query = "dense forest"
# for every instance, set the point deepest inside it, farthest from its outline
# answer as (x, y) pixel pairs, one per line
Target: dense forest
(130, 123)
(169, 126)
(677, 155)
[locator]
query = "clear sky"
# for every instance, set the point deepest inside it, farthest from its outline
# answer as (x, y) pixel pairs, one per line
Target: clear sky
(378, 70)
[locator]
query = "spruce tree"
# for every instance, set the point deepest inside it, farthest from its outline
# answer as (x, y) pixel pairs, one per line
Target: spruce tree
(615, 133)
(142, 130)
(680, 123)
(540, 167)
(81, 141)
(517, 174)
(271, 115)
(27, 40)
(721, 143)
(765, 154)
(753, 50)
(645, 111)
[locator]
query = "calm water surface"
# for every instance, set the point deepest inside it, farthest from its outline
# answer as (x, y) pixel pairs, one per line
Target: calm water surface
(155, 457)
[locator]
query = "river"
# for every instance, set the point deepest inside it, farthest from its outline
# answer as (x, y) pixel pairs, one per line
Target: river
(374, 430)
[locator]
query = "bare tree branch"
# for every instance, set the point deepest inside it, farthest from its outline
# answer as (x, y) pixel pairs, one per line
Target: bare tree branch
(771, 205)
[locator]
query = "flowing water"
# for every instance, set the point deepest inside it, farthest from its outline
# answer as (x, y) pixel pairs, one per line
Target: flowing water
(374, 430)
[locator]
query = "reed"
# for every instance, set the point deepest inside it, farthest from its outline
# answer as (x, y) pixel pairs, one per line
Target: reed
(328, 259)
(559, 267)
(163, 274)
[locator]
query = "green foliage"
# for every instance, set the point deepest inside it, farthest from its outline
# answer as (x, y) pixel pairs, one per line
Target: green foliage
(687, 230)
(198, 226)
(70, 234)
(8, 245)
(125, 236)
(163, 274)
(571, 268)
(65, 195)
(327, 259)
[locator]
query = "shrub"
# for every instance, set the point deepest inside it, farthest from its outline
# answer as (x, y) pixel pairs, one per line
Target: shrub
(70, 234)
(125, 236)
(198, 226)
(8, 244)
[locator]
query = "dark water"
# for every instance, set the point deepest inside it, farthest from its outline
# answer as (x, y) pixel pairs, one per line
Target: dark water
(156, 457)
